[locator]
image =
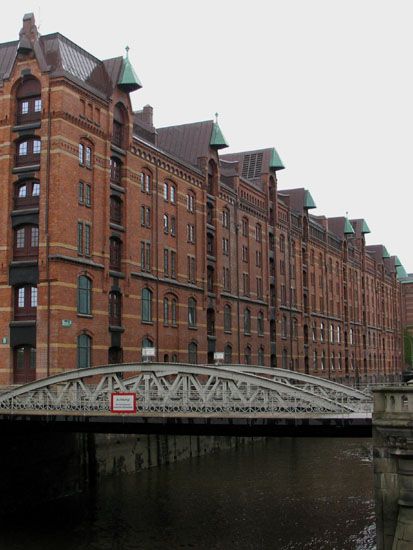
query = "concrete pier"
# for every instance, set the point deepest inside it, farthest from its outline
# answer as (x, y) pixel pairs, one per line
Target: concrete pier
(393, 467)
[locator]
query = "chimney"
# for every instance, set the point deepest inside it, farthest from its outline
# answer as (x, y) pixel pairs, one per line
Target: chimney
(147, 115)
(28, 34)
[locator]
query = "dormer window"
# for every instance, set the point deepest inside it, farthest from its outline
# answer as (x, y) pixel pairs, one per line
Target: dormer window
(29, 103)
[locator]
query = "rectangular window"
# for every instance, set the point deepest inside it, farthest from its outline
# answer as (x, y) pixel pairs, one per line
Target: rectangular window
(87, 239)
(258, 258)
(190, 233)
(81, 154)
(148, 216)
(165, 191)
(191, 269)
(165, 223)
(25, 107)
(81, 192)
(245, 253)
(37, 105)
(166, 262)
(225, 246)
(172, 194)
(246, 284)
(35, 237)
(173, 264)
(88, 157)
(20, 297)
(80, 238)
(88, 195)
(259, 288)
(33, 296)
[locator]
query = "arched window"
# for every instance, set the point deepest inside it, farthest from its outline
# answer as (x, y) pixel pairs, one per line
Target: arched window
(247, 321)
(26, 242)
(26, 194)
(247, 355)
(146, 305)
(193, 353)
(227, 318)
(192, 312)
(261, 356)
(84, 348)
(258, 233)
(225, 218)
(190, 202)
(172, 193)
(115, 254)
(119, 121)
(228, 354)
(115, 308)
(25, 302)
(84, 293)
(28, 151)
(29, 103)
(115, 210)
(115, 171)
(146, 181)
(260, 323)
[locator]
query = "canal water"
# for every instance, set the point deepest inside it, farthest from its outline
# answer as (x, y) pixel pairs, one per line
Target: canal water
(282, 494)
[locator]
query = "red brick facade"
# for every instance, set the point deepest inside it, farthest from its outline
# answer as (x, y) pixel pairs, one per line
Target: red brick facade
(151, 238)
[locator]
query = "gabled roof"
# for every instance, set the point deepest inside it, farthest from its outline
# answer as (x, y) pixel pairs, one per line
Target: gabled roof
(59, 56)
(340, 226)
(299, 199)
(360, 226)
(187, 141)
(255, 163)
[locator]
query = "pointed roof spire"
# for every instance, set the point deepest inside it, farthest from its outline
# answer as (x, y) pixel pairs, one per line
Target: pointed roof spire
(275, 161)
(308, 200)
(385, 253)
(348, 228)
(128, 81)
(217, 140)
(365, 228)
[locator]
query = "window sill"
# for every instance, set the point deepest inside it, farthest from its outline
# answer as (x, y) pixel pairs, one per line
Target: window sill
(85, 315)
(147, 322)
(192, 328)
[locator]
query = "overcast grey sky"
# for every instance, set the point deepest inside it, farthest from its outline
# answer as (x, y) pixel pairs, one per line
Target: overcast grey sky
(327, 82)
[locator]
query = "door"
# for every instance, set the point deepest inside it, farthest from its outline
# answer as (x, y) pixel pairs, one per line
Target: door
(24, 364)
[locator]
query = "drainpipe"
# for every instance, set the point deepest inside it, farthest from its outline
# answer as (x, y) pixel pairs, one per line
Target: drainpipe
(157, 261)
(237, 272)
(49, 132)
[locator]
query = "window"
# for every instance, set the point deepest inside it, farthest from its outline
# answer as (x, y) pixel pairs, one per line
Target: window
(81, 192)
(225, 218)
(282, 243)
(321, 332)
(245, 253)
(146, 305)
(190, 202)
(261, 356)
(332, 334)
(258, 233)
(227, 279)
(145, 216)
(87, 239)
(26, 242)
(173, 264)
(259, 288)
(225, 246)
(170, 311)
(247, 355)
(228, 354)
(28, 152)
(115, 254)
(338, 334)
(88, 195)
(29, 103)
(115, 171)
(146, 182)
(193, 353)
(25, 302)
(247, 321)
(165, 191)
(115, 210)
(192, 312)
(172, 194)
(84, 291)
(227, 318)
(81, 153)
(88, 157)
(84, 346)
(145, 256)
(210, 278)
(80, 238)
(258, 258)
(147, 343)
(166, 262)
(173, 226)
(174, 306)
(190, 233)
(260, 323)
(165, 224)
(115, 308)
(244, 225)
(165, 311)
(210, 244)
(26, 194)
(191, 269)
(284, 326)
(118, 134)
(246, 284)
(315, 360)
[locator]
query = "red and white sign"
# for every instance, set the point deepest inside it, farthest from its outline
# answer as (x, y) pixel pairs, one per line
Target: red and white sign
(123, 403)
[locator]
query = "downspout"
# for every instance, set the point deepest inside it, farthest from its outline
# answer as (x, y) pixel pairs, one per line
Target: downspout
(49, 132)
(157, 261)
(237, 272)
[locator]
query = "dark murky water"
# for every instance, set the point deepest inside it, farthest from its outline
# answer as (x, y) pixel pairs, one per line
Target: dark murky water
(283, 494)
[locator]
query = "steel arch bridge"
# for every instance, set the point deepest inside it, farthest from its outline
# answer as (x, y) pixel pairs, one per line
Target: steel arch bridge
(184, 390)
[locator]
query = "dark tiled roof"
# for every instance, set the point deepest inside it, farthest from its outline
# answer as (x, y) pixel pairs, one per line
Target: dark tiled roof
(8, 52)
(253, 163)
(187, 141)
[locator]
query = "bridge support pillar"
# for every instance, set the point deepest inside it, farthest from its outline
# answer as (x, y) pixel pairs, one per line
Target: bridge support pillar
(393, 467)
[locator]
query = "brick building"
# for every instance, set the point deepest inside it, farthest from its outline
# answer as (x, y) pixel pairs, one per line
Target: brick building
(116, 236)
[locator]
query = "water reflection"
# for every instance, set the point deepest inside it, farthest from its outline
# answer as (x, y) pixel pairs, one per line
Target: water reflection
(286, 494)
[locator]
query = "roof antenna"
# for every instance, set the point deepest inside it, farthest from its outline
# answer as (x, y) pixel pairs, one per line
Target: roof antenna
(216, 118)
(127, 52)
